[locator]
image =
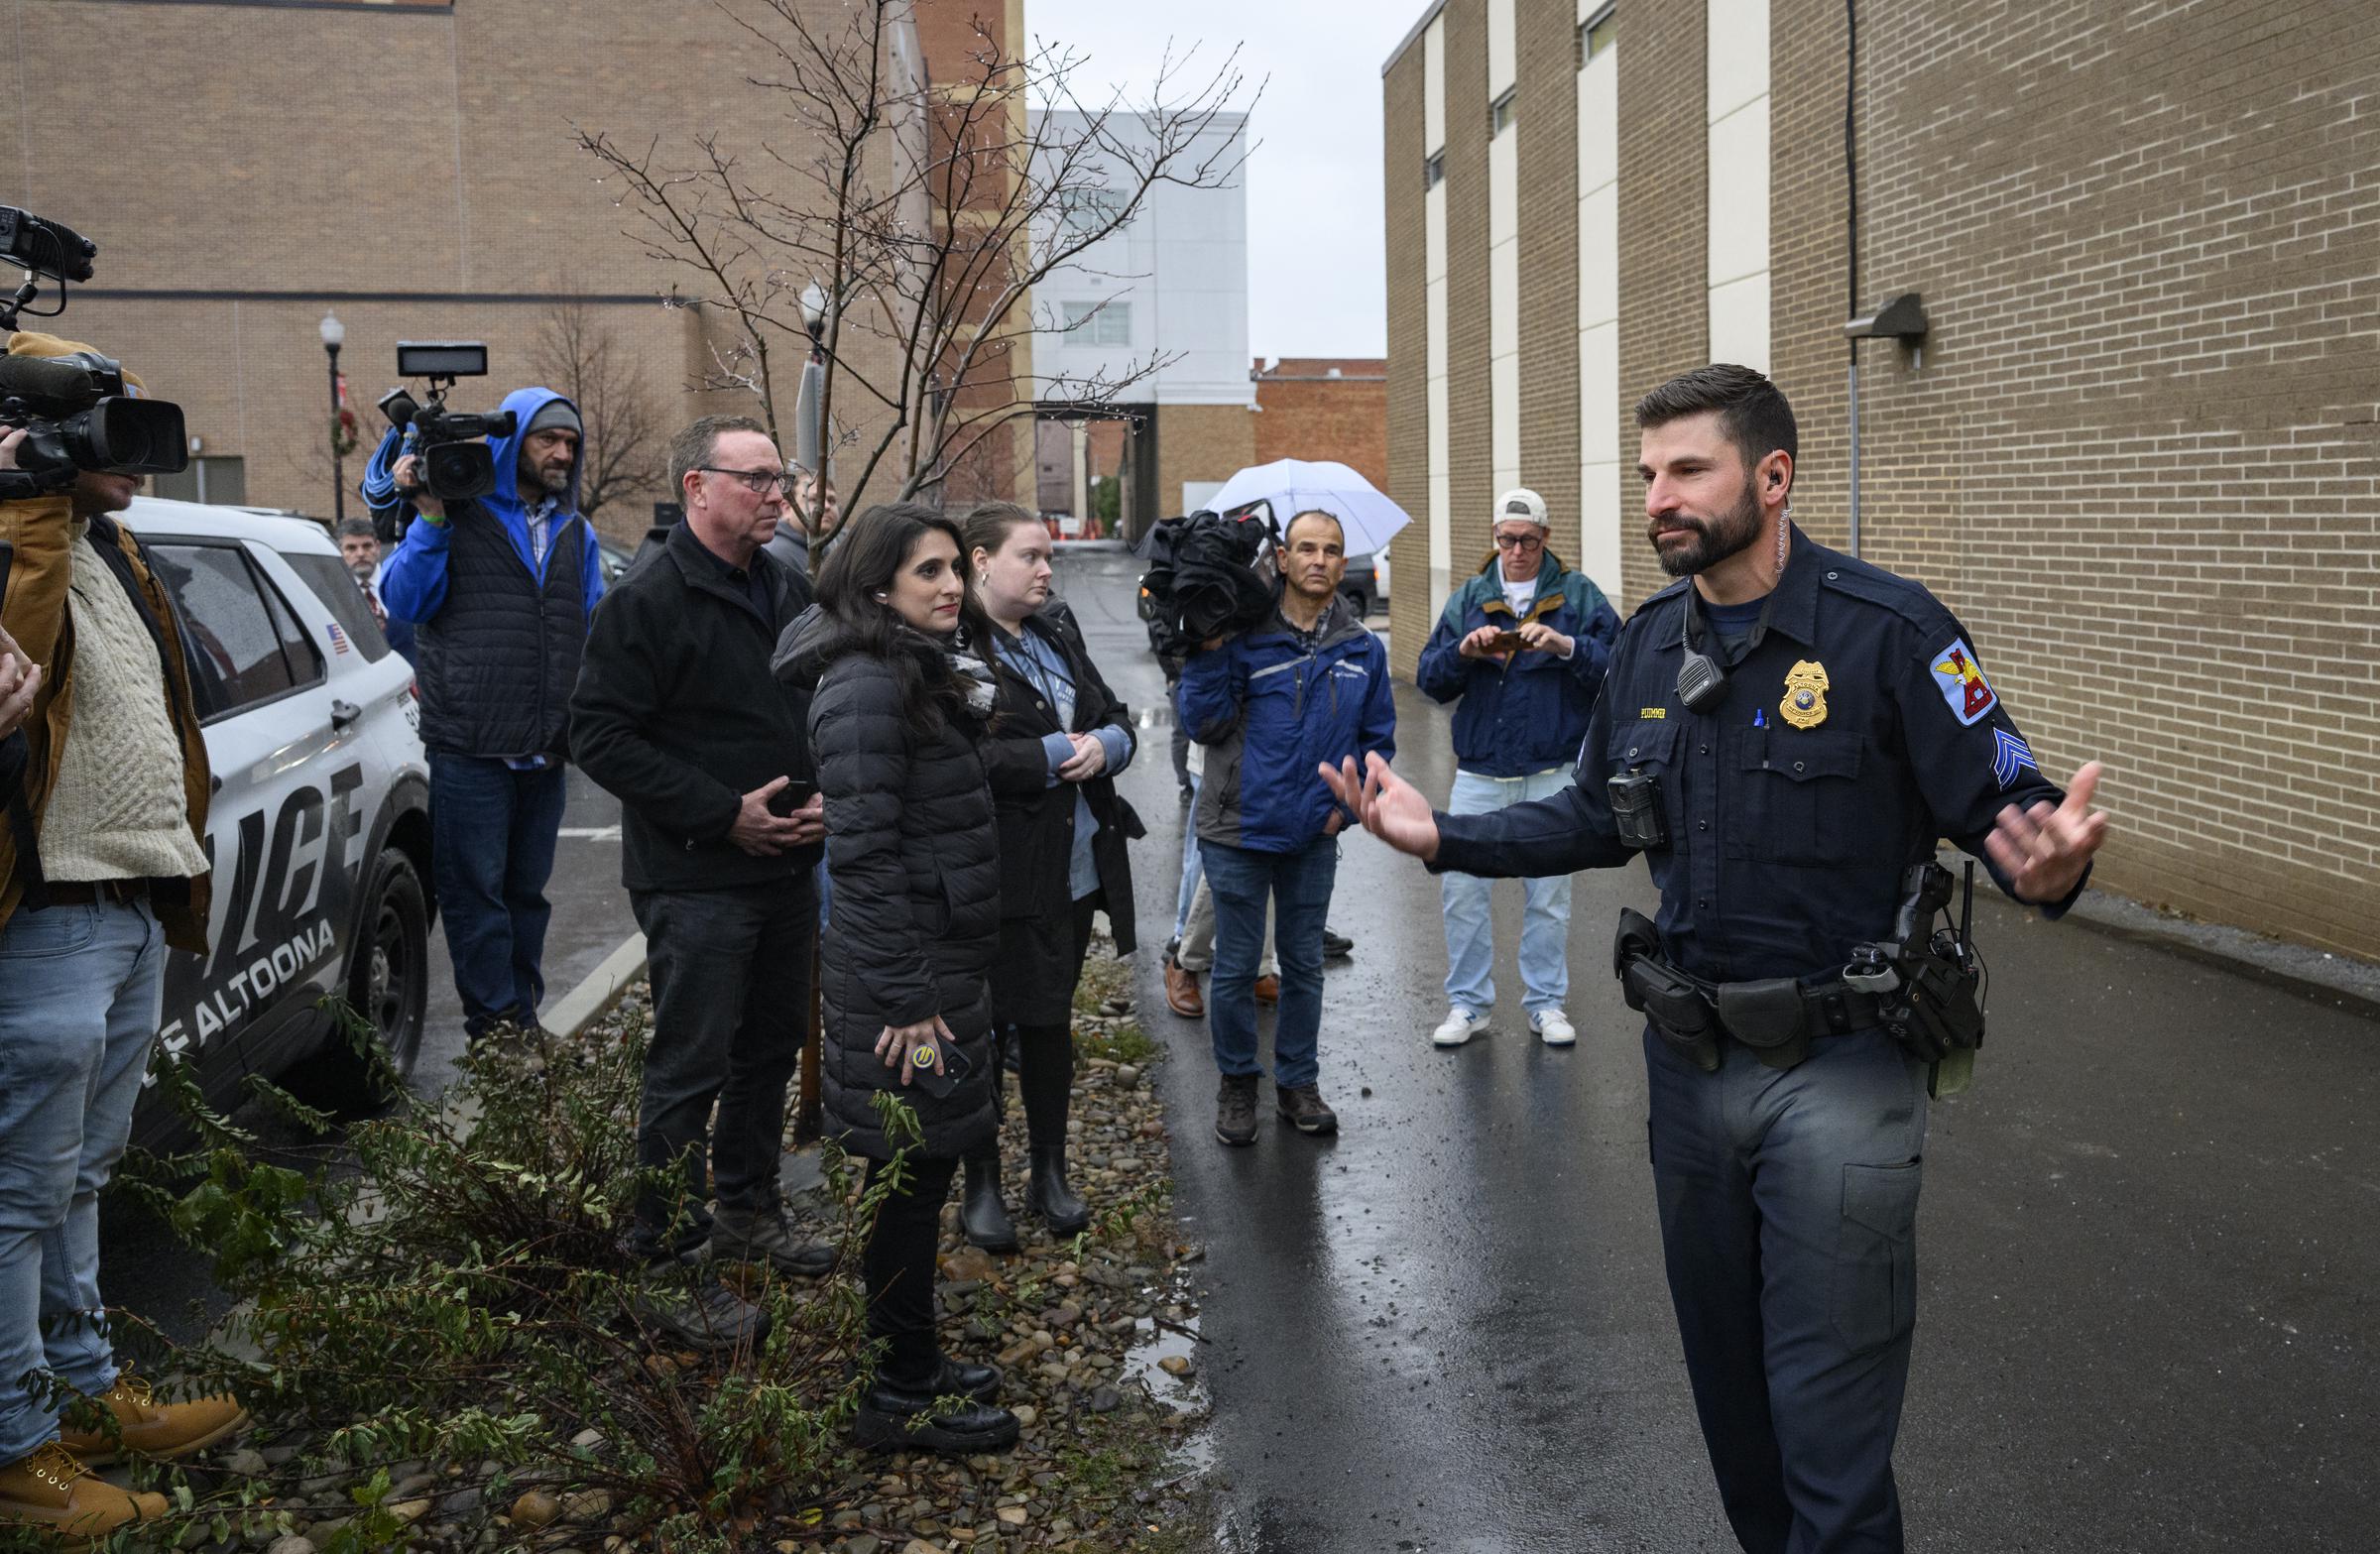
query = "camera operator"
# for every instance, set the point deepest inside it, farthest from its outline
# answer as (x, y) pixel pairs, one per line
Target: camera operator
(498, 590)
(1309, 678)
(102, 865)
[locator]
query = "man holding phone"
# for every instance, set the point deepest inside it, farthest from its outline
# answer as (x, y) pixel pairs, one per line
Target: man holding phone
(1523, 647)
(678, 715)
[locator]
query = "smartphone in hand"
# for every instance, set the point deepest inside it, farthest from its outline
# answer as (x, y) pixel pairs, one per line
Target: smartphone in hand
(791, 797)
(955, 1067)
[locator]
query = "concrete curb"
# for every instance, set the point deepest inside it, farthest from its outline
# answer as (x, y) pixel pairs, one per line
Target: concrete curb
(574, 1011)
(2338, 981)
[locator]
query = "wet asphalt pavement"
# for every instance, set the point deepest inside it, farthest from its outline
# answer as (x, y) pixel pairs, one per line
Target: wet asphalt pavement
(2147, 1317)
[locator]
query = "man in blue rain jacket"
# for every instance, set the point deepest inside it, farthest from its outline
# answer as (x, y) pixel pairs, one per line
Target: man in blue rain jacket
(499, 589)
(1307, 686)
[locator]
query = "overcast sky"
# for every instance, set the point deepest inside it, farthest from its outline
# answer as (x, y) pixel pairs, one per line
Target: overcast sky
(1317, 272)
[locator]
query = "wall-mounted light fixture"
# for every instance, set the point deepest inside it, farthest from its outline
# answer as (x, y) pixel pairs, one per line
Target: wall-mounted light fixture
(1903, 319)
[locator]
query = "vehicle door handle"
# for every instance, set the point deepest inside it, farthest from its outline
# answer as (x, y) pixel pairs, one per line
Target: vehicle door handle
(343, 713)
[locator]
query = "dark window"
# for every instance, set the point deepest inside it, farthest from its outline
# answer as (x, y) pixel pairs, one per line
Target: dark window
(1501, 111)
(221, 481)
(1597, 34)
(243, 644)
(343, 596)
(1433, 171)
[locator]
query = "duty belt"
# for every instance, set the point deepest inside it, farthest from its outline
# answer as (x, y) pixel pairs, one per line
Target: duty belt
(1776, 1017)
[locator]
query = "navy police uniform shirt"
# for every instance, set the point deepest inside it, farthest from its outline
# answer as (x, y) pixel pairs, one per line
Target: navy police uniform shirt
(1858, 730)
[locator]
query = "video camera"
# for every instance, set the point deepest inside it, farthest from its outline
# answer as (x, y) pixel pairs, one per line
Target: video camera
(77, 410)
(1211, 575)
(456, 461)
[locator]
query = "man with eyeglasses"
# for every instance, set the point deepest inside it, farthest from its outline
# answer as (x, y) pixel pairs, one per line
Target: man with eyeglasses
(498, 590)
(678, 715)
(1521, 649)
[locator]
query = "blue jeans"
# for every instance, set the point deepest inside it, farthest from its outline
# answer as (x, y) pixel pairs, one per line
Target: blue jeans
(1190, 866)
(1788, 1206)
(1299, 886)
(80, 992)
(1546, 910)
(492, 833)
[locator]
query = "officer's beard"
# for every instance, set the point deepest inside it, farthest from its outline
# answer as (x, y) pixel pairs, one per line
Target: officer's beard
(1714, 539)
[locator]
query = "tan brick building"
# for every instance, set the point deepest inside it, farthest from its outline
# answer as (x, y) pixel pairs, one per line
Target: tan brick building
(412, 165)
(2138, 450)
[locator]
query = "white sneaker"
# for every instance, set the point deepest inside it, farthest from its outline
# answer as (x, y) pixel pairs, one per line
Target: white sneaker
(1459, 1026)
(1553, 1026)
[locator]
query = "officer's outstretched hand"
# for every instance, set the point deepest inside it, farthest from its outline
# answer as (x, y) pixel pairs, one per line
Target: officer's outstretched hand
(2043, 851)
(1392, 809)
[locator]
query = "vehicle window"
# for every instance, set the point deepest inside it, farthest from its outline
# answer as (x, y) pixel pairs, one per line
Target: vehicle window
(243, 644)
(336, 587)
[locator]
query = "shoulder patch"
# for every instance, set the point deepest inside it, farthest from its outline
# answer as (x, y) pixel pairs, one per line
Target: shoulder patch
(1961, 683)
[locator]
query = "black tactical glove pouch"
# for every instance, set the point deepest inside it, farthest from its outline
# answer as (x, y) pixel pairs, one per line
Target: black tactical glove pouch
(1767, 1016)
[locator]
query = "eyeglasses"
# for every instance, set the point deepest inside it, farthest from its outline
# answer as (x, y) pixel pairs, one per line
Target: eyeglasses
(757, 481)
(1518, 541)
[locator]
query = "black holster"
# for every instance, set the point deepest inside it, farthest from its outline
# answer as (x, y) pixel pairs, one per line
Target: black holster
(1669, 1000)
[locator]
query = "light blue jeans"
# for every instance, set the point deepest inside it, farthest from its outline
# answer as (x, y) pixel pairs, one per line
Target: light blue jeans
(1545, 914)
(79, 994)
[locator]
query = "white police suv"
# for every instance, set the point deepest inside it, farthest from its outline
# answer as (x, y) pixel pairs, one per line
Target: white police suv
(320, 827)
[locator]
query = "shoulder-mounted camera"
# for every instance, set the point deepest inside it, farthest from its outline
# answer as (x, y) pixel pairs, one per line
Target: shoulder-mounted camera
(456, 462)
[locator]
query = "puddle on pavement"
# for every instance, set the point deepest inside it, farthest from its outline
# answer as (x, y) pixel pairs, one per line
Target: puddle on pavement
(1144, 1363)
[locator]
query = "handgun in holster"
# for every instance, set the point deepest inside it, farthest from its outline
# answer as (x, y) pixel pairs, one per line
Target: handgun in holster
(1670, 1001)
(1927, 977)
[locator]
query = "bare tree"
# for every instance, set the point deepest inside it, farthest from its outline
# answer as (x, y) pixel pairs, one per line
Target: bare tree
(622, 441)
(928, 213)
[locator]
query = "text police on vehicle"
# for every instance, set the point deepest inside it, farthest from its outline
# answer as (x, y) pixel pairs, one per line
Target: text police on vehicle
(318, 836)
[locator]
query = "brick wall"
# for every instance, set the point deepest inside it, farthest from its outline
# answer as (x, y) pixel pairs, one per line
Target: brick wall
(1549, 283)
(1664, 307)
(285, 153)
(1469, 451)
(1302, 412)
(1201, 442)
(1408, 399)
(2141, 456)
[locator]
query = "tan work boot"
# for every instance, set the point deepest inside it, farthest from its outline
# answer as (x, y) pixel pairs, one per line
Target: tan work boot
(53, 1490)
(149, 1427)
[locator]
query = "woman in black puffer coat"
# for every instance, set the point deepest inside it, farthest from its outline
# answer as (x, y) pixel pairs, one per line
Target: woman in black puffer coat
(899, 704)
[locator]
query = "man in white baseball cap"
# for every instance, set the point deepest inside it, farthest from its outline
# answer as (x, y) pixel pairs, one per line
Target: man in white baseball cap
(1521, 649)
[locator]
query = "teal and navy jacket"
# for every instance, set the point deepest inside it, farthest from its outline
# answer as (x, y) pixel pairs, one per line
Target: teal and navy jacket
(1528, 713)
(1271, 710)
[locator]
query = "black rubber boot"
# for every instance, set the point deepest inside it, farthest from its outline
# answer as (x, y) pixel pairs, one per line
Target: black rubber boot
(905, 1418)
(1047, 1193)
(980, 1211)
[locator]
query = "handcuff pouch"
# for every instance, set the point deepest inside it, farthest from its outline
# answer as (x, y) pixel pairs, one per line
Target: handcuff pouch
(1768, 1016)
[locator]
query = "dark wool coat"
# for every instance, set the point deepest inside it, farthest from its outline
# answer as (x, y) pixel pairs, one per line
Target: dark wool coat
(913, 870)
(1037, 820)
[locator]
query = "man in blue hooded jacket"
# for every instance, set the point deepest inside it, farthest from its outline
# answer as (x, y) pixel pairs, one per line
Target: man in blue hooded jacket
(1522, 648)
(500, 590)
(1269, 705)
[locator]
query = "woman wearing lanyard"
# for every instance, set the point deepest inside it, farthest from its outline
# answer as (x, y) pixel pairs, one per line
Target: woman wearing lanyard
(1058, 737)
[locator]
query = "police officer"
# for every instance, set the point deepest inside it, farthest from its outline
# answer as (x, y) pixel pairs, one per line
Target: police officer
(1784, 734)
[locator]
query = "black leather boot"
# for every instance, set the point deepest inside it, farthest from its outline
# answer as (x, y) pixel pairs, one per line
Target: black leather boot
(1048, 1195)
(980, 1211)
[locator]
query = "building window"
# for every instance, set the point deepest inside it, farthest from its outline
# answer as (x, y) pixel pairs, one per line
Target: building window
(1597, 34)
(1090, 213)
(1501, 111)
(1098, 323)
(1433, 171)
(221, 481)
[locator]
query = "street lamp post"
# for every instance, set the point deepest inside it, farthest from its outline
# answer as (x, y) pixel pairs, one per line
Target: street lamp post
(334, 335)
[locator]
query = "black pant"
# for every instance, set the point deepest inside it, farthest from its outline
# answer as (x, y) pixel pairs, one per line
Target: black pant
(731, 1002)
(899, 1265)
(1045, 1051)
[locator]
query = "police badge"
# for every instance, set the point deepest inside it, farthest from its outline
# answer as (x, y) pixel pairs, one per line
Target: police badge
(1805, 703)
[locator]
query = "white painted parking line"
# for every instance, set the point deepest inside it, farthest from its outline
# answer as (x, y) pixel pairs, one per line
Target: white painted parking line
(590, 833)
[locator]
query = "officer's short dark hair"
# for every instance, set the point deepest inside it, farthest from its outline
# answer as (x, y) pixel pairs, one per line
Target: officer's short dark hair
(1751, 410)
(692, 448)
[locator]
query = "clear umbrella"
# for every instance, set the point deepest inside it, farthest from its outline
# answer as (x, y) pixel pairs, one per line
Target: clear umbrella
(1292, 486)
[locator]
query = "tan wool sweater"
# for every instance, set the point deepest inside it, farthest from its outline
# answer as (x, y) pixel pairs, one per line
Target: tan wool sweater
(117, 811)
